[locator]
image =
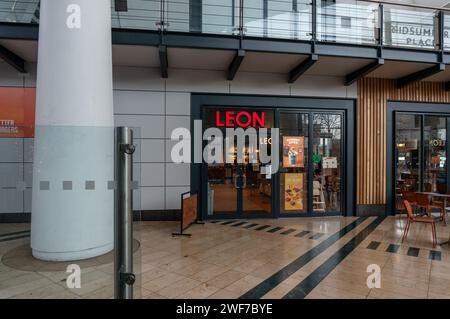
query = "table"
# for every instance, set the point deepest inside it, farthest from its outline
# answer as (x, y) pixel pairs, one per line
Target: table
(444, 196)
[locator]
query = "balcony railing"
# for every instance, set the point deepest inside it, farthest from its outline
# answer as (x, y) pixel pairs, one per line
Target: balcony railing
(339, 21)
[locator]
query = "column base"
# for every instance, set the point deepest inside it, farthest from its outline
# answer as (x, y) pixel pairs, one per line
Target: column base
(73, 255)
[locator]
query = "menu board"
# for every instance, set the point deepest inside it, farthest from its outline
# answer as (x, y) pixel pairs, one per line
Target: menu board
(293, 191)
(17, 112)
(293, 151)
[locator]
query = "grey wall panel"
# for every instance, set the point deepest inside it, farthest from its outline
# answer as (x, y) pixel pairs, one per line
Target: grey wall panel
(28, 174)
(137, 78)
(10, 76)
(178, 174)
(152, 151)
(11, 201)
(152, 174)
(178, 103)
(181, 80)
(173, 122)
(27, 201)
(150, 126)
(173, 196)
(28, 147)
(152, 198)
(11, 174)
(138, 102)
(11, 150)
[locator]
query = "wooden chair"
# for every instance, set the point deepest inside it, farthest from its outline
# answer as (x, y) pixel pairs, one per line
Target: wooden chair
(419, 219)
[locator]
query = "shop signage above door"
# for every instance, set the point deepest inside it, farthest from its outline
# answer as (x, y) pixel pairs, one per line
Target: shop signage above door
(242, 119)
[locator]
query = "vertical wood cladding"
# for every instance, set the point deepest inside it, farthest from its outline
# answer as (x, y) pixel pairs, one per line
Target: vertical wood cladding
(373, 95)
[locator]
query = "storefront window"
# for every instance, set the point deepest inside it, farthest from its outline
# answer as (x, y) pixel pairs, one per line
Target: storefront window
(435, 156)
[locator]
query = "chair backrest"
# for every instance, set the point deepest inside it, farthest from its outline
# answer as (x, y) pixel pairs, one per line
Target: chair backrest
(408, 208)
(422, 199)
(409, 196)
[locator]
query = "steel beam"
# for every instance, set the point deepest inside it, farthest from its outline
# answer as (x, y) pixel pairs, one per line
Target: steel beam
(12, 59)
(362, 72)
(300, 69)
(235, 64)
(420, 75)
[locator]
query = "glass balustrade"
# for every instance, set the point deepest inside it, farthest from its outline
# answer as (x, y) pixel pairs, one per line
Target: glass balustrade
(339, 21)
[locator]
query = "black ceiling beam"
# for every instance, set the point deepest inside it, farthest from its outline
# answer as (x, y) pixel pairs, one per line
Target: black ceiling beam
(362, 72)
(12, 59)
(235, 64)
(121, 5)
(163, 61)
(420, 75)
(300, 69)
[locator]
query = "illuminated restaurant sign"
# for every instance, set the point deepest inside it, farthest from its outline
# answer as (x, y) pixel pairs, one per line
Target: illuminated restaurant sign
(240, 118)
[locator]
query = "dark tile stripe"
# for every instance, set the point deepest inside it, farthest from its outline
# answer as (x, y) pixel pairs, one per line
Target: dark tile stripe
(250, 226)
(281, 275)
(274, 230)
(215, 221)
(374, 245)
(262, 227)
(228, 222)
(413, 252)
(14, 238)
(435, 255)
(392, 248)
(14, 233)
(287, 232)
(311, 282)
(303, 233)
(238, 224)
(316, 236)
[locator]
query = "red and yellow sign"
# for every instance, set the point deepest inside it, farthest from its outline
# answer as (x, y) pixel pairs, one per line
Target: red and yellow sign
(293, 191)
(293, 151)
(17, 112)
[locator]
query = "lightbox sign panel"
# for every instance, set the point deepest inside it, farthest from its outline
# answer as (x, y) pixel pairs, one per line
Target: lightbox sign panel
(17, 112)
(243, 119)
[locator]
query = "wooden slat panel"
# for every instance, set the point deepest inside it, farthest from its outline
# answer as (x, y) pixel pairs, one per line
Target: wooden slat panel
(373, 95)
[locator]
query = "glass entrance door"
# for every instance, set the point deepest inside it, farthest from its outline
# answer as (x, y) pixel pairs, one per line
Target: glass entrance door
(311, 174)
(239, 189)
(420, 154)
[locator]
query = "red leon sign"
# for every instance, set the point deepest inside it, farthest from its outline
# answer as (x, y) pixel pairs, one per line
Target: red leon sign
(241, 119)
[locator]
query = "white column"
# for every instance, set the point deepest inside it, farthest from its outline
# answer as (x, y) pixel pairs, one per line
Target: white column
(74, 132)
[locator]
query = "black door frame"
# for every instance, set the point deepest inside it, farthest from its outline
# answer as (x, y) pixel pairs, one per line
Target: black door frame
(348, 106)
(417, 108)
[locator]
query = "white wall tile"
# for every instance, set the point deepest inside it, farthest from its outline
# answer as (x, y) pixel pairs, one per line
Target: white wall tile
(178, 174)
(148, 126)
(152, 174)
(137, 78)
(173, 122)
(260, 83)
(11, 150)
(152, 198)
(178, 103)
(181, 80)
(173, 196)
(138, 102)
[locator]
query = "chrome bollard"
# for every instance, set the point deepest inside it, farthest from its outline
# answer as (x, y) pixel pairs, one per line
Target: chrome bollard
(123, 215)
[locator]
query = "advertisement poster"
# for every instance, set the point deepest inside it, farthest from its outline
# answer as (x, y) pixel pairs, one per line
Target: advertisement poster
(293, 151)
(293, 191)
(17, 112)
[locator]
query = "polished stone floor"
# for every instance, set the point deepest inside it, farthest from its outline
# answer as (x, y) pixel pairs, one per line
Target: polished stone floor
(285, 258)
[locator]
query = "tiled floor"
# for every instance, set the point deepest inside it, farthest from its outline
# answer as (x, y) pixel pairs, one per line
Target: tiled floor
(292, 258)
